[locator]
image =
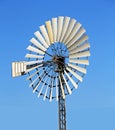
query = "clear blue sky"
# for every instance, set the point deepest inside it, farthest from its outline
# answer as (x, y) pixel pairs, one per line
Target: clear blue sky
(92, 106)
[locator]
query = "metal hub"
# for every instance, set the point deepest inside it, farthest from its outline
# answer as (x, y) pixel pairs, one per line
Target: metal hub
(59, 61)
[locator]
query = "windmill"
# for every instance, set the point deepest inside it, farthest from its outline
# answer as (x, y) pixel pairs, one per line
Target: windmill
(56, 61)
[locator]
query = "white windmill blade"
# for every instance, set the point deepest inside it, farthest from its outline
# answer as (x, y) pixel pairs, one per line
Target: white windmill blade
(59, 27)
(78, 42)
(51, 89)
(75, 74)
(73, 32)
(65, 26)
(46, 90)
(72, 81)
(54, 28)
(80, 54)
(33, 49)
(37, 44)
(34, 56)
(78, 68)
(80, 48)
(83, 62)
(33, 81)
(70, 27)
(39, 82)
(29, 77)
(45, 93)
(45, 34)
(36, 86)
(56, 88)
(41, 90)
(36, 79)
(32, 75)
(41, 39)
(28, 70)
(33, 62)
(62, 89)
(76, 37)
(42, 87)
(50, 32)
(67, 85)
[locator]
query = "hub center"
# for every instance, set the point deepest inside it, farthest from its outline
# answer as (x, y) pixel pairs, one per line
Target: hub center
(59, 61)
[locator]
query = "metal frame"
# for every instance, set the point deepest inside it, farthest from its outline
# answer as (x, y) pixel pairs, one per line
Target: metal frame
(71, 46)
(61, 108)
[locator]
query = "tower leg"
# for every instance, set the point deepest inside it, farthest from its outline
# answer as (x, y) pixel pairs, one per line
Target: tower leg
(62, 112)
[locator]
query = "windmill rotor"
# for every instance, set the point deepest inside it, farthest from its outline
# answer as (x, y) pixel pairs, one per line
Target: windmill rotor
(56, 60)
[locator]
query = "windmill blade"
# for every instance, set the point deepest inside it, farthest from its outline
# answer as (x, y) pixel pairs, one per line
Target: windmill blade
(65, 26)
(36, 86)
(45, 93)
(42, 87)
(76, 37)
(37, 44)
(59, 27)
(51, 89)
(74, 31)
(75, 74)
(77, 43)
(56, 88)
(80, 54)
(84, 62)
(42, 77)
(80, 48)
(38, 77)
(70, 27)
(32, 75)
(78, 68)
(62, 89)
(28, 78)
(33, 62)
(72, 81)
(46, 90)
(33, 49)
(28, 70)
(45, 34)
(67, 85)
(54, 28)
(50, 32)
(41, 39)
(33, 81)
(33, 56)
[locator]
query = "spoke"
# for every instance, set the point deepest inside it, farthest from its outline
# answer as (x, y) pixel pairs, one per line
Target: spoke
(48, 54)
(53, 49)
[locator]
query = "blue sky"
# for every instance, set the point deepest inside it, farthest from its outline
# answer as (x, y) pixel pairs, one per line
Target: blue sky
(92, 106)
